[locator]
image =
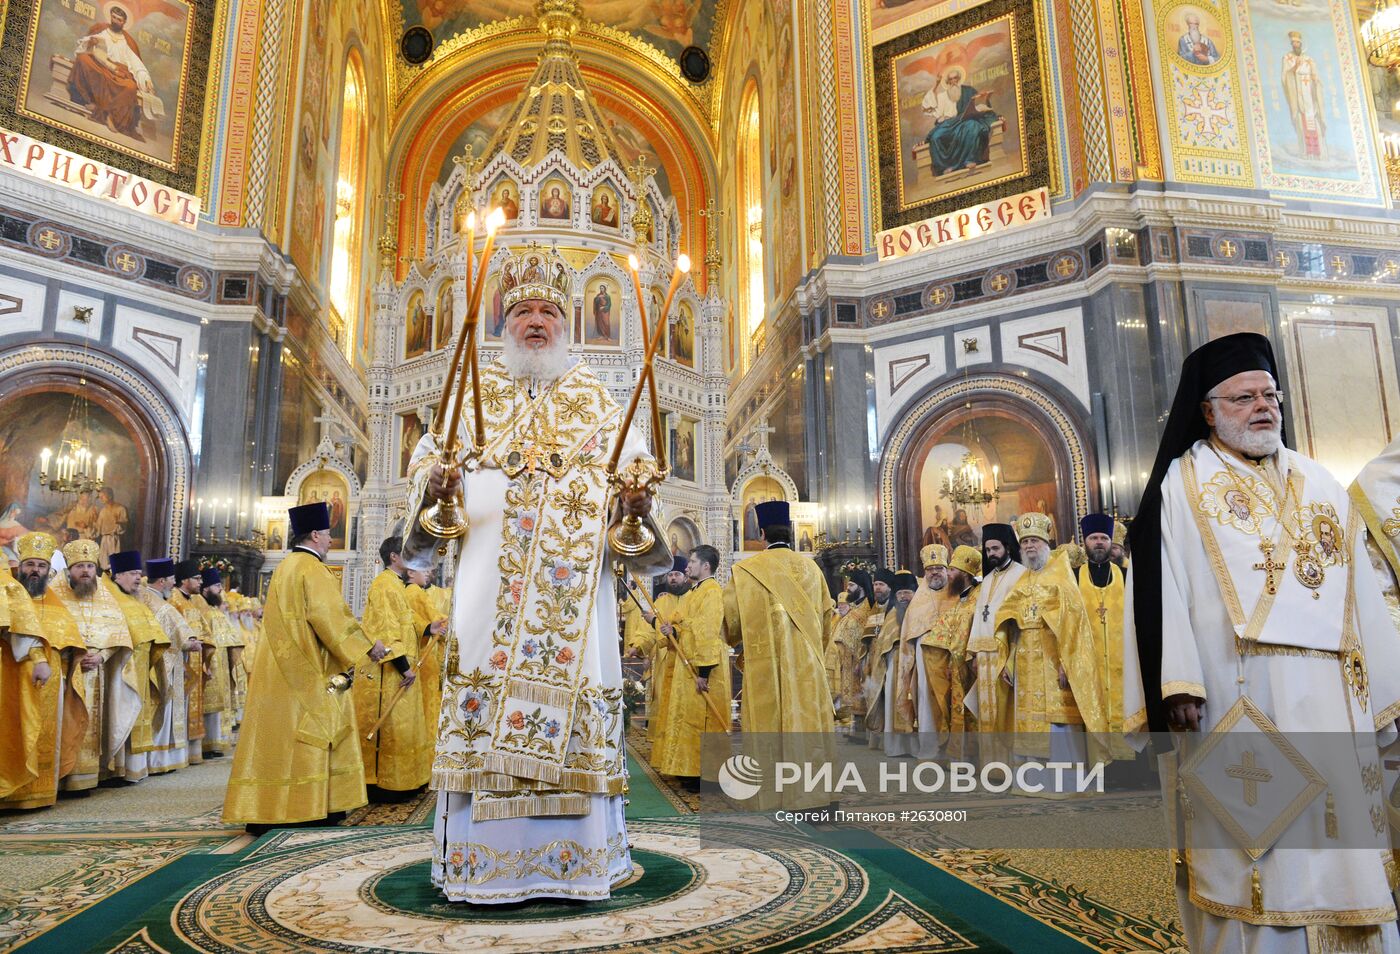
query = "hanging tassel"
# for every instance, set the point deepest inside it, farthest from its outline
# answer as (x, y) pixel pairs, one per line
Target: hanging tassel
(1331, 817)
(1256, 892)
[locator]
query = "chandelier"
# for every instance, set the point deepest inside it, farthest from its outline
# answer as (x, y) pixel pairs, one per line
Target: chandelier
(74, 471)
(1381, 34)
(967, 486)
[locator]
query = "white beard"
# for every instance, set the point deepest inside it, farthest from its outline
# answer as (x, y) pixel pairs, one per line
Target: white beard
(1036, 562)
(544, 365)
(1247, 442)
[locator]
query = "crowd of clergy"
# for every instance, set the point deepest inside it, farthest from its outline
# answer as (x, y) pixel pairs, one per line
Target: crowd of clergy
(1018, 646)
(108, 677)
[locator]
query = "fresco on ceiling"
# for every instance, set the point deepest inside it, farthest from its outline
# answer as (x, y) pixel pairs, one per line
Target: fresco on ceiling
(670, 25)
(631, 143)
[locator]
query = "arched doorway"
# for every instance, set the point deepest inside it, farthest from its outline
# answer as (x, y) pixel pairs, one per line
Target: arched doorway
(1003, 422)
(140, 474)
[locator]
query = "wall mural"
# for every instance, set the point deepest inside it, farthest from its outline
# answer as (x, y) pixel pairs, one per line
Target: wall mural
(670, 25)
(1196, 49)
(111, 516)
(119, 80)
(682, 447)
(1312, 133)
(759, 490)
(961, 112)
(330, 488)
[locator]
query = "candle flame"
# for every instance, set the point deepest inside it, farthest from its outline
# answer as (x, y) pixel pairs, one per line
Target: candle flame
(495, 220)
(632, 263)
(470, 221)
(683, 263)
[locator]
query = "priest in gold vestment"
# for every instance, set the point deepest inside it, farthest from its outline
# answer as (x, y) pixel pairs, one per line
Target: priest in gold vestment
(1101, 584)
(220, 701)
(298, 755)
(988, 695)
(776, 605)
(530, 767)
(24, 675)
(1258, 619)
(186, 588)
(926, 672)
(109, 688)
(1047, 656)
(396, 760)
(646, 640)
(888, 657)
(698, 631)
(945, 651)
(431, 607)
(170, 738)
(57, 722)
(149, 644)
(846, 639)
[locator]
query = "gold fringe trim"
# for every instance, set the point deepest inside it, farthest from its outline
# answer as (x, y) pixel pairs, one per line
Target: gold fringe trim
(477, 781)
(496, 809)
(1248, 647)
(1331, 822)
(1256, 892)
(533, 692)
(1332, 939)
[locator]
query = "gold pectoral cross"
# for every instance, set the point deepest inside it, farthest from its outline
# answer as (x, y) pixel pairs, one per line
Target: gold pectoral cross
(1103, 613)
(523, 458)
(1270, 567)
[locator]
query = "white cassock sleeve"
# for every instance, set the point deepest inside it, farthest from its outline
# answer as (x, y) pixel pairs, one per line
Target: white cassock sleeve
(1134, 700)
(20, 646)
(1181, 660)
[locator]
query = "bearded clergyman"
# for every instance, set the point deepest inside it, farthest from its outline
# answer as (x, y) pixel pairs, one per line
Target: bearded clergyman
(530, 768)
(1264, 644)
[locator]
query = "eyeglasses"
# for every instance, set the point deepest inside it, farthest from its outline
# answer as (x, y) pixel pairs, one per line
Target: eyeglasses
(1242, 401)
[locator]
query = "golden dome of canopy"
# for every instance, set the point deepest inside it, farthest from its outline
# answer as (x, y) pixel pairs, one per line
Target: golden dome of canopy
(556, 111)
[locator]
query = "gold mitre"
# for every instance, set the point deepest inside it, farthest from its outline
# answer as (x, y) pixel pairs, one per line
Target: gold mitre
(968, 559)
(36, 546)
(536, 272)
(81, 551)
(1034, 525)
(1120, 532)
(934, 554)
(841, 598)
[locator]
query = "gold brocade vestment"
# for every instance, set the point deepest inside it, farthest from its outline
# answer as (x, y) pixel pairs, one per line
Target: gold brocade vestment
(398, 758)
(1104, 606)
(428, 607)
(648, 639)
(698, 621)
(58, 702)
(1042, 629)
(298, 757)
(845, 638)
(21, 702)
(149, 645)
(776, 604)
(196, 674)
(110, 692)
(178, 692)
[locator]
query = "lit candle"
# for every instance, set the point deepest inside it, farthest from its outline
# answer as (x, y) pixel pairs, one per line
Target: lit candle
(1113, 491)
(996, 477)
(846, 529)
(870, 520)
(101, 468)
(44, 456)
(198, 515)
(228, 513)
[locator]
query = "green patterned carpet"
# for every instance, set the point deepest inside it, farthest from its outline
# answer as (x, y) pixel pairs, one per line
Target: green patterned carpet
(750, 884)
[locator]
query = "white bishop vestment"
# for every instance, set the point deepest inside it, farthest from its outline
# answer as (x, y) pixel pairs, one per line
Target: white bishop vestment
(1271, 614)
(530, 765)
